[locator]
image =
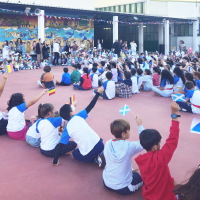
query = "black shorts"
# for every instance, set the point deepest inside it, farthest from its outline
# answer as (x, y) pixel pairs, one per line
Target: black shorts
(62, 84)
(3, 125)
(66, 148)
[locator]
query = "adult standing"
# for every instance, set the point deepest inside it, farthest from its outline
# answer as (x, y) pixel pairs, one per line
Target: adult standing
(18, 44)
(117, 47)
(68, 48)
(74, 47)
(6, 50)
(99, 44)
(45, 50)
(133, 47)
(56, 48)
(39, 51)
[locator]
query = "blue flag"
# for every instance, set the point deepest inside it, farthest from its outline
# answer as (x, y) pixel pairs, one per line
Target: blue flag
(124, 110)
(195, 126)
(178, 97)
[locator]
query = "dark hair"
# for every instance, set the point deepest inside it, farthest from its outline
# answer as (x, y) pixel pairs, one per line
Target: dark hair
(20, 40)
(65, 69)
(189, 85)
(94, 69)
(103, 63)
(95, 65)
(56, 114)
(189, 190)
(47, 68)
(140, 61)
(166, 75)
(65, 112)
(149, 138)
(139, 71)
(133, 71)
(186, 58)
(75, 66)
(44, 109)
(113, 64)
(1, 62)
(15, 100)
(85, 70)
(109, 75)
(156, 70)
(119, 126)
(148, 72)
(190, 77)
(6, 42)
(127, 75)
(179, 73)
(108, 67)
(197, 74)
(78, 66)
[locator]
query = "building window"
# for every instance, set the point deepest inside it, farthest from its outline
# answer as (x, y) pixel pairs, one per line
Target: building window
(105, 9)
(183, 29)
(130, 10)
(141, 7)
(138, 7)
(82, 22)
(119, 8)
(114, 10)
(124, 8)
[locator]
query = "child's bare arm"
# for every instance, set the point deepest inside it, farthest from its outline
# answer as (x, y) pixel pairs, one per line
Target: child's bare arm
(3, 82)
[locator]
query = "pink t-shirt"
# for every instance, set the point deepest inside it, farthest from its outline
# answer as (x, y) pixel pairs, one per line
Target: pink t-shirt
(156, 79)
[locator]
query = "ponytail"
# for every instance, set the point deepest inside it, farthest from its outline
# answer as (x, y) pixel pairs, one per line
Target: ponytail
(85, 70)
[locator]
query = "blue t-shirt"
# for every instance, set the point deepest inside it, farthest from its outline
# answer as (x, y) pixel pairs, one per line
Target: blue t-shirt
(66, 78)
(163, 83)
(189, 94)
(198, 83)
(176, 79)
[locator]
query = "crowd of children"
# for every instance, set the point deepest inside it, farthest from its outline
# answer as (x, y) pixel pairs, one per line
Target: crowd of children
(112, 77)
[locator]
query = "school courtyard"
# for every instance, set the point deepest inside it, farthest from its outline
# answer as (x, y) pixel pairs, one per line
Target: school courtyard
(27, 175)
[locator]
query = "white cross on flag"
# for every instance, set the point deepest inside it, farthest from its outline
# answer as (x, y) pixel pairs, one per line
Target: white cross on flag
(178, 97)
(124, 110)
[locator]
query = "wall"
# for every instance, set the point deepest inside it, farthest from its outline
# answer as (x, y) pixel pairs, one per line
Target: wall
(158, 8)
(78, 4)
(25, 27)
(107, 3)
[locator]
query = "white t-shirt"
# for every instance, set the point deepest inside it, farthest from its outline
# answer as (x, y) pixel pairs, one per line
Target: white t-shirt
(133, 46)
(5, 51)
(56, 47)
(109, 88)
(32, 132)
(48, 129)
(94, 78)
(80, 132)
(134, 84)
(194, 96)
(16, 121)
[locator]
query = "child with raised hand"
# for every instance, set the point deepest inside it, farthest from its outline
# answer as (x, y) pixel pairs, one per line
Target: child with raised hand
(47, 127)
(147, 80)
(166, 86)
(3, 122)
(66, 80)
(118, 175)
(17, 127)
(197, 79)
(193, 96)
(189, 190)
(153, 165)
(90, 144)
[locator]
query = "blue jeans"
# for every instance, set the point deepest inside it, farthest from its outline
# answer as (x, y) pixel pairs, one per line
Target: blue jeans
(162, 92)
(79, 87)
(102, 94)
(184, 106)
(98, 148)
(146, 88)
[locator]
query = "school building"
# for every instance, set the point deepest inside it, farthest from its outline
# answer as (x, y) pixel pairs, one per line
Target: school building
(155, 25)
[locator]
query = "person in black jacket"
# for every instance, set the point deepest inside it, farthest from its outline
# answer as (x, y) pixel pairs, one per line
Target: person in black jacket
(117, 47)
(39, 51)
(67, 48)
(45, 50)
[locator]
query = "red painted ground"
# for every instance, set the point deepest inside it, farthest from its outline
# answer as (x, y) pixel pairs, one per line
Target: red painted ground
(27, 175)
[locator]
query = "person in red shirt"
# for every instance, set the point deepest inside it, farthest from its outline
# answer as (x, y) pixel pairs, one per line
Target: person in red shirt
(153, 165)
(85, 81)
(156, 77)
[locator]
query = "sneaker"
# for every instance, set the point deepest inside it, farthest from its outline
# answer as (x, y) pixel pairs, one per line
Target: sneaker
(101, 160)
(75, 88)
(182, 109)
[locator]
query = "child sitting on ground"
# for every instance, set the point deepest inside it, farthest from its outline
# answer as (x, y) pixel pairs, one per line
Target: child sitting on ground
(85, 81)
(90, 144)
(139, 77)
(46, 80)
(156, 77)
(118, 175)
(179, 79)
(17, 127)
(197, 79)
(109, 87)
(134, 81)
(114, 71)
(3, 121)
(94, 77)
(192, 96)
(75, 75)
(124, 89)
(47, 127)
(102, 78)
(66, 80)
(153, 165)
(147, 80)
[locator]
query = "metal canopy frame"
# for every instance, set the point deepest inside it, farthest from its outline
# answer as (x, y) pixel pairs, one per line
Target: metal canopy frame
(98, 15)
